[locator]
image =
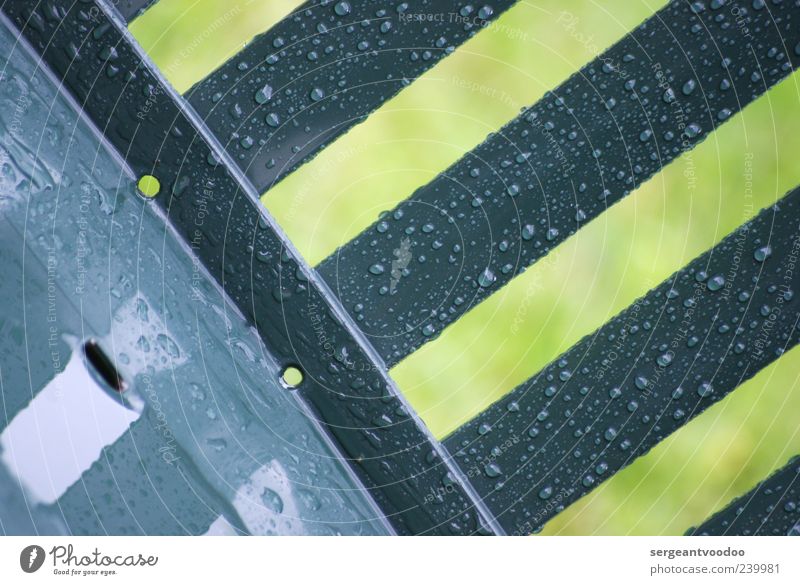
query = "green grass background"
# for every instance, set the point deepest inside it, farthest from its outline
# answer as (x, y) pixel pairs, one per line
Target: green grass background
(590, 278)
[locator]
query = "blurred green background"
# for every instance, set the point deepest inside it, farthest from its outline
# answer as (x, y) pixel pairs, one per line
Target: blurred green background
(593, 276)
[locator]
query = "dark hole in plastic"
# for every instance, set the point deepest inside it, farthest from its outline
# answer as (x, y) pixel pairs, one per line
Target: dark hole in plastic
(103, 365)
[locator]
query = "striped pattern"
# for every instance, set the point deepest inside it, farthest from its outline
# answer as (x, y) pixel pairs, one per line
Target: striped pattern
(652, 97)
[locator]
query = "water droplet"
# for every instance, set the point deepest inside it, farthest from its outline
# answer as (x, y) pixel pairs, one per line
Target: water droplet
(218, 444)
(272, 500)
(309, 500)
(485, 12)
(528, 232)
(197, 392)
(263, 95)
(342, 8)
(665, 359)
(697, 7)
(705, 389)
(487, 278)
(715, 283)
(168, 345)
(693, 130)
(762, 253)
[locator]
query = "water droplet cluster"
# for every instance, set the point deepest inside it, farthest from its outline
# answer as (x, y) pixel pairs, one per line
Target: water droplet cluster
(621, 390)
(651, 97)
(323, 69)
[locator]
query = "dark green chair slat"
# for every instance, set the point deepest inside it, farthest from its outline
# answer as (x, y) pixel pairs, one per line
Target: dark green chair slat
(322, 70)
(644, 374)
(772, 508)
(130, 9)
(654, 95)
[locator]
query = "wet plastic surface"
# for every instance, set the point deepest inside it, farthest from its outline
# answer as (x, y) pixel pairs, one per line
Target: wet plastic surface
(194, 303)
(218, 215)
(321, 71)
(84, 256)
(644, 374)
(772, 508)
(653, 96)
(130, 9)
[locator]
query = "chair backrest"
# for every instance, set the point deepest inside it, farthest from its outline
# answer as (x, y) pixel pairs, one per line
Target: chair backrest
(244, 302)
